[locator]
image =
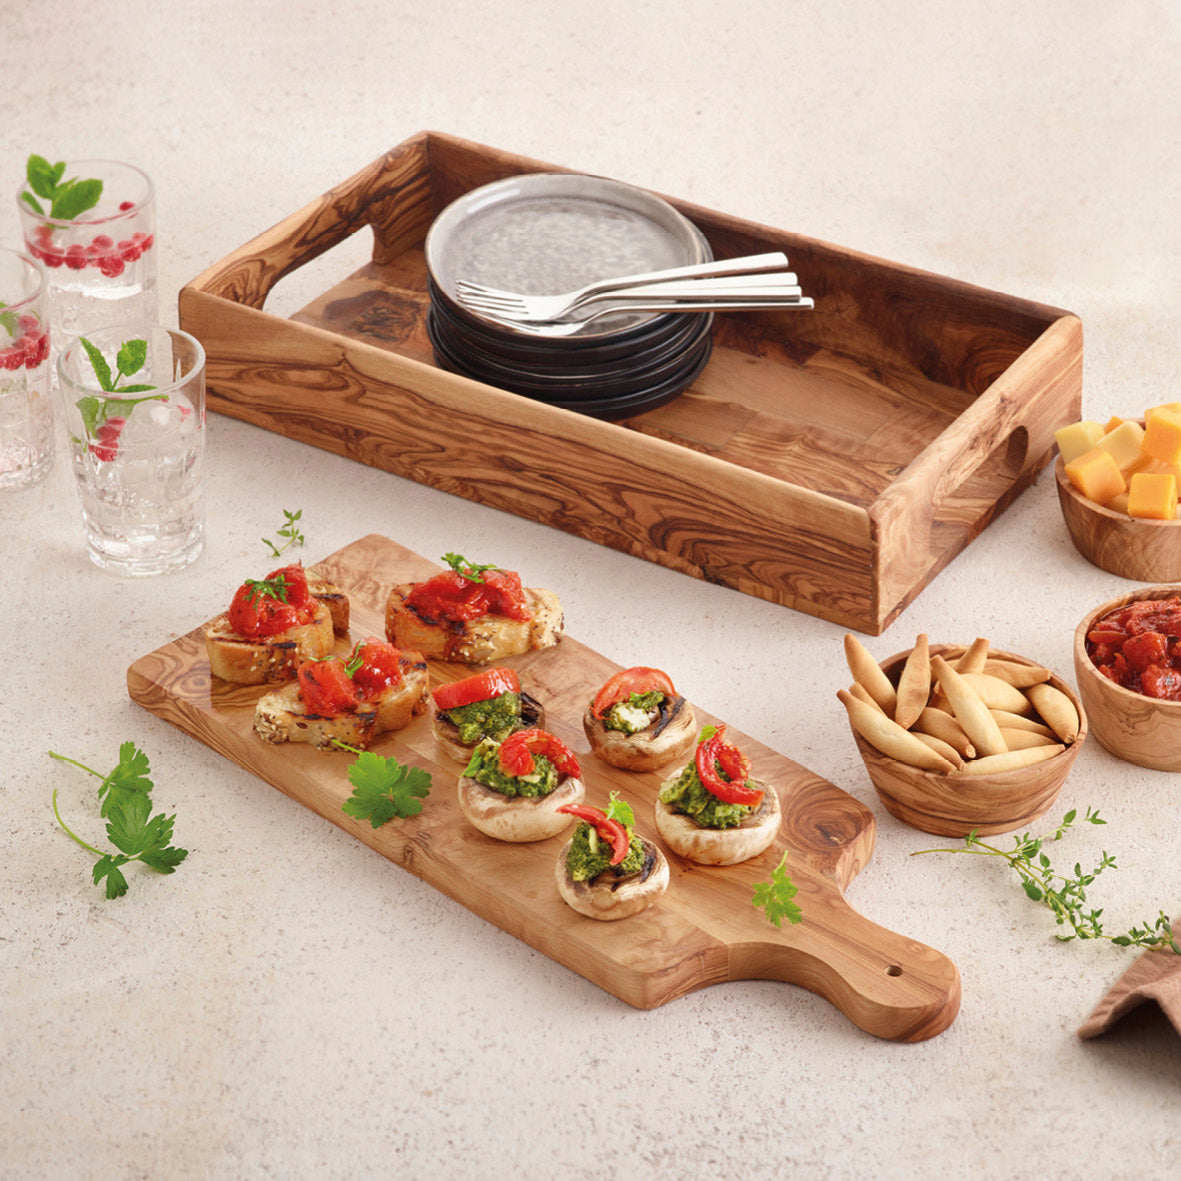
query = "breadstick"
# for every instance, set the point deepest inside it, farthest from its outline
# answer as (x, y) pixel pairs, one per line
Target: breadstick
(1056, 709)
(1011, 760)
(868, 673)
(914, 684)
(948, 751)
(971, 713)
(862, 694)
(974, 656)
(885, 735)
(1021, 676)
(1011, 721)
(1024, 739)
(940, 724)
(997, 694)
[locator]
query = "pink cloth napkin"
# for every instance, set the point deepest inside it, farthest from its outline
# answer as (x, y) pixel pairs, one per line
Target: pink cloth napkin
(1155, 976)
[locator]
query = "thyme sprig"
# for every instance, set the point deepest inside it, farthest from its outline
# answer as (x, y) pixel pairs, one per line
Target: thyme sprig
(1065, 894)
(289, 531)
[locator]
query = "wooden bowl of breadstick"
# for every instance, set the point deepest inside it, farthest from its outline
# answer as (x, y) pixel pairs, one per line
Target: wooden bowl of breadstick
(960, 739)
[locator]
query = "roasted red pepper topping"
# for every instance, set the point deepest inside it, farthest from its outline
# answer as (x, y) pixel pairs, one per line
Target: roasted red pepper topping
(380, 667)
(326, 688)
(454, 596)
(631, 680)
(480, 687)
(716, 757)
(517, 751)
(1139, 647)
(610, 830)
(269, 606)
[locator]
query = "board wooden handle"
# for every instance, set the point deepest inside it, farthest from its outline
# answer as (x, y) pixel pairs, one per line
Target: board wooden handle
(885, 983)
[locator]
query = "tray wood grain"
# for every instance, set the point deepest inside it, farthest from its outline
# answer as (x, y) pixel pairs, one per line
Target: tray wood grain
(832, 461)
(704, 931)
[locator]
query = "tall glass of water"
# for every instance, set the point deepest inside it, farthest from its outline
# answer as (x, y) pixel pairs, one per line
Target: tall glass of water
(135, 415)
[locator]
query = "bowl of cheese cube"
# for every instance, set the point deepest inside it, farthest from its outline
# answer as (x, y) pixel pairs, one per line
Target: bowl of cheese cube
(1118, 485)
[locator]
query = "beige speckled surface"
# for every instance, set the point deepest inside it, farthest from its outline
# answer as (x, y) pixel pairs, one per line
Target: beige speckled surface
(289, 1004)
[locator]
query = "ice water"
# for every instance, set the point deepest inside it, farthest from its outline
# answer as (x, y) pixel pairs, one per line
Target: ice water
(77, 308)
(142, 500)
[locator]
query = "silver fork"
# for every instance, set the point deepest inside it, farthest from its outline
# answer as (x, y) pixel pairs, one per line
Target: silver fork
(747, 300)
(511, 305)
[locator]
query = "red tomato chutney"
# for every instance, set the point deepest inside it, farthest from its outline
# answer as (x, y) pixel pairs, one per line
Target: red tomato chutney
(1138, 646)
(452, 596)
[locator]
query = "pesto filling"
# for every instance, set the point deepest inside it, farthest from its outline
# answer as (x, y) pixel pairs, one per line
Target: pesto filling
(495, 718)
(689, 796)
(484, 767)
(589, 855)
(637, 713)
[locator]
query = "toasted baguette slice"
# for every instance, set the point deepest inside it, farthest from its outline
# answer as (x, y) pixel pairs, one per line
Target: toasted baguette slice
(334, 599)
(519, 818)
(721, 846)
(281, 716)
(476, 641)
(235, 657)
(608, 897)
(669, 737)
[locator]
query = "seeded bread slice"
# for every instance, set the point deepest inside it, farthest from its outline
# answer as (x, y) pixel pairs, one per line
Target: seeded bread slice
(475, 641)
(281, 716)
(235, 657)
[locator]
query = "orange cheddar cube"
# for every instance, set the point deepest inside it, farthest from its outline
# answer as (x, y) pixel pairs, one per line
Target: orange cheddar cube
(1096, 475)
(1153, 496)
(1112, 423)
(1162, 435)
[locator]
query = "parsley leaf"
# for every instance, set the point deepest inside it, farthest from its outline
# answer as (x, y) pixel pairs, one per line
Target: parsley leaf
(775, 896)
(621, 810)
(125, 802)
(384, 788)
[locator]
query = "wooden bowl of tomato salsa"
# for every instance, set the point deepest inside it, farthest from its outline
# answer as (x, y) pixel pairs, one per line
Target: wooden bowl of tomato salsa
(1127, 660)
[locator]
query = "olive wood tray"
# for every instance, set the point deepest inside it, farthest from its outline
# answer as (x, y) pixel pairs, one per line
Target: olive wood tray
(705, 929)
(831, 461)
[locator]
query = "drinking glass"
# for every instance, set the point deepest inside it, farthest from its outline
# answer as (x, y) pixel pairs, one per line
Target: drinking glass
(26, 412)
(135, 414)
(101, 263)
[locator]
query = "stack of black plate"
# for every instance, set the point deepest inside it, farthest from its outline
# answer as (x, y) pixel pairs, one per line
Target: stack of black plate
(545, 233)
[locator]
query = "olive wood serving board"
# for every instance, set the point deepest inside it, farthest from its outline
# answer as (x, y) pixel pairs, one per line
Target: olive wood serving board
(703, 931)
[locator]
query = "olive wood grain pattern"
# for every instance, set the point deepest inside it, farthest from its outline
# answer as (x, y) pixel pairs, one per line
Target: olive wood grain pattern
(1145, 551)
(1138, 729)
(705, 929)
(832, 461)
(952, 805)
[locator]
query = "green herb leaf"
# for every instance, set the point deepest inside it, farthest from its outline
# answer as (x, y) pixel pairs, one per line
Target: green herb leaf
(32, 202)
(99, 364)
(289, 530)
(775, 897)
(384, 788)
(469, 570)
(132, 356)
(131, 827)
(1064, 895)
(621, 810)
(75, 197)
(42, 176)
(275, 588)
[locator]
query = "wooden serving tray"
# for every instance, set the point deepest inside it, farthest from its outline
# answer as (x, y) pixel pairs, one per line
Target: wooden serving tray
(703, 931)
(832, 461)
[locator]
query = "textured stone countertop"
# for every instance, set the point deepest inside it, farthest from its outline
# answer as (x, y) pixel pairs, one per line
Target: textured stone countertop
(289, 1004)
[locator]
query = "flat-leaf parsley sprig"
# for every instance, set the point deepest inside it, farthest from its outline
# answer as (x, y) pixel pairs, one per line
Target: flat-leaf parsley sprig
(383, 788)
(125, 802)
(775, 897)
(289, 531)
(1064, 894)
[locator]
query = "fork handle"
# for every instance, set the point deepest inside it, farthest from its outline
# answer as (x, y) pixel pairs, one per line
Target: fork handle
(746, 264)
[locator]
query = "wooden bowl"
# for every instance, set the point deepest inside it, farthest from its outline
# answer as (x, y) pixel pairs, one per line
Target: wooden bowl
(953, 804)
(1141, 730)
(1146, 551)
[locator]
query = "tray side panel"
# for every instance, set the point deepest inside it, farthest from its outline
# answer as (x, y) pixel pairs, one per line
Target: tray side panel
(646, 497)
